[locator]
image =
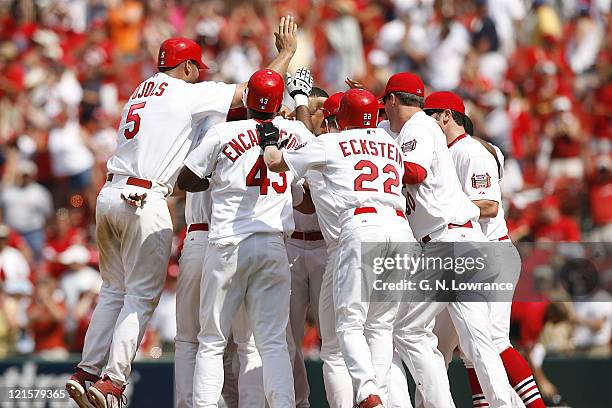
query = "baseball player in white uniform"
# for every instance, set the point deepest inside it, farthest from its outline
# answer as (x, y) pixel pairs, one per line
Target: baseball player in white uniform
(197, 213)
(438, 211)
(133, 224)
(338, 384)
(307, 258)
(370, 208)
(188, 295)
(479, 166)
(307, 254)
(246, 259)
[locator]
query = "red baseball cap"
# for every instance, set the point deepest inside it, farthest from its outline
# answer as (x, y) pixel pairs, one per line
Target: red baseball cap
(452, 101)
(405, 82)
(445, 100)
(332, 104)
(174, 51)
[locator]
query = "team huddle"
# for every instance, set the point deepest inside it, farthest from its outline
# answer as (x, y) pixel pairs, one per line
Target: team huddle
(279, 207)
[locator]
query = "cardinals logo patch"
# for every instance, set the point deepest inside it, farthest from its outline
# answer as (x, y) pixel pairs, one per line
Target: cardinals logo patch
(481, 180)
(409, 146)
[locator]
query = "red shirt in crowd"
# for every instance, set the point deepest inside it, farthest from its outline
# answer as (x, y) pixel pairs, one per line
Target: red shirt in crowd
(48, 333)
(530, 318)
(564, 229)
(600, 197)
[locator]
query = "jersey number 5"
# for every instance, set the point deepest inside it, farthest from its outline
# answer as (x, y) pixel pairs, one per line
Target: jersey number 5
(258, 176)
(392, 181)
(133, 118)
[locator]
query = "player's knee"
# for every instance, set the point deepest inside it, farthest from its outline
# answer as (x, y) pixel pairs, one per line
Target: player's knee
(212, 348)
(272, 347)
(501, 343)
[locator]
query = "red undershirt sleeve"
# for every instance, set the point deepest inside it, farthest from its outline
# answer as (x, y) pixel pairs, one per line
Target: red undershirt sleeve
(413, 173)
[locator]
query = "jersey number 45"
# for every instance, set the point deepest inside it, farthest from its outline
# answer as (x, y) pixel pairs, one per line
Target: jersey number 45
(258, 177)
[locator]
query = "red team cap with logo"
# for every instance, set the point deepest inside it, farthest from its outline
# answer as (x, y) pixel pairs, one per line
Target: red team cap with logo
(405, 82)
(445, 100)
(358, 109)
(332, 104)
(448, 100)
(265, 91)
(173, 51)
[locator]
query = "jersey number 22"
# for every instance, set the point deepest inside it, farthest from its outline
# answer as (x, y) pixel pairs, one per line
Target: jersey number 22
(392, 181)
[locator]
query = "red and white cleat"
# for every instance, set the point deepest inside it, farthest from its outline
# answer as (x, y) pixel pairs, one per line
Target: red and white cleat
(105, 394)
(373, 401)
(77, 386)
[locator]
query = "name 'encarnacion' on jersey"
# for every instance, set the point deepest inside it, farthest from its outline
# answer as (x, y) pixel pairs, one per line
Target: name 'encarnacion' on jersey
(241, 143)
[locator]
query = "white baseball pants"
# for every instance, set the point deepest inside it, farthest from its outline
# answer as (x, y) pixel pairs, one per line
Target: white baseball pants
(134, 245)
(399, 396)
(417, 344)
(250, 370)
(499, 313)
(191, 265)
(255, 271)
(338, 383)
(337, 380)
(307, 260)
(188, 315)
(365, 328)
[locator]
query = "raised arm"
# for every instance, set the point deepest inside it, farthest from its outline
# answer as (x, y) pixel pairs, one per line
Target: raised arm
(299, 87)
(286, 44)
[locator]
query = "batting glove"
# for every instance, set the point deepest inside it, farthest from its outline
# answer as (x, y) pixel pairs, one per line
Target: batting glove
(301, 83)
(268, 134)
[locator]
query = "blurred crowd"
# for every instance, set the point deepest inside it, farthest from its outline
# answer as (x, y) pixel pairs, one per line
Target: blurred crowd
(535, 74)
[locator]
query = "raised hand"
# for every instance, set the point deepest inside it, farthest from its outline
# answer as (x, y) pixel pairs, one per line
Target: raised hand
(301, 83)
(353, 84)
(286, 37)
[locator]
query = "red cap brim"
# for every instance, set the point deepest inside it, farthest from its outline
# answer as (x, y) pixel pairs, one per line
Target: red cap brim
(201, 64)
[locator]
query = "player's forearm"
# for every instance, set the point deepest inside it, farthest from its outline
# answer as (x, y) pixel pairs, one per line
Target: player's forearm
(189, 181)
(280, 64)
(237, 99)
(488, 208)
(302, 113)
(274, 159)
(202, 185)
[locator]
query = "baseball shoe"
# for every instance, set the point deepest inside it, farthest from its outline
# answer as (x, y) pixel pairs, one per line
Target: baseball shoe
(373, 401)
(77, 386)
(105, 394)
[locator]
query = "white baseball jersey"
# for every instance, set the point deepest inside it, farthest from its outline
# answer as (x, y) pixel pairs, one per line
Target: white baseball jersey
(158, 122)
(198, 207)
(479, 176)
(305, 222)
(439, 199)
(246, 197)
(327, 213)
(360, 167)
